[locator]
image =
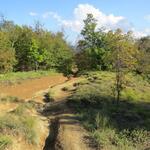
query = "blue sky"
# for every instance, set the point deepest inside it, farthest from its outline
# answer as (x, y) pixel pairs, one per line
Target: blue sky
(57, 14)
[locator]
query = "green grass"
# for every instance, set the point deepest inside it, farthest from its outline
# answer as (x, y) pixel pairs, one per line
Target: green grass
(123, 127)
(14, 77)
(5, 142)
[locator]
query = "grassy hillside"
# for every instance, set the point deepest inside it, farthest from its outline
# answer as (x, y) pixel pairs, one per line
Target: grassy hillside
(123, 127)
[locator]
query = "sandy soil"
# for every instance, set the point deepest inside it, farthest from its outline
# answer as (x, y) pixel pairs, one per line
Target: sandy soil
(7, 107)
(27, 88)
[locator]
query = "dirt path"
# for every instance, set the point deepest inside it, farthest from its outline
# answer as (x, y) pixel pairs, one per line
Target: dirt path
(66, 132)
(27, 88)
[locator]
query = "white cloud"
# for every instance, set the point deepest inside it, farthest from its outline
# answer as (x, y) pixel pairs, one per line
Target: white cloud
(109, 21)
(141, 33)
(80, 13)
(33, 14)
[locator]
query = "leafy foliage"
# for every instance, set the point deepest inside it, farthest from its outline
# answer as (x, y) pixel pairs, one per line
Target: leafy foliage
(91, 46)
(144, 57)
(7, 54)
(24, 48)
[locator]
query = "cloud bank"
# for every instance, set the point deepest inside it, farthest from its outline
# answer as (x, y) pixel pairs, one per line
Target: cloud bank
(109, 21)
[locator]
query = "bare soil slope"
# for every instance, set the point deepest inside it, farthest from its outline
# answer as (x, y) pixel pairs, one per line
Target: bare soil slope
(27, 88)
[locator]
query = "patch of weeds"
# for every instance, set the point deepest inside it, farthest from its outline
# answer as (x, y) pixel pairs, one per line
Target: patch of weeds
(20, 110)
(104, 137)
(29, 129)
(18, 125)
(9, 99)
(9, 122)
(138, 137)
(5, 142)
(101, 121)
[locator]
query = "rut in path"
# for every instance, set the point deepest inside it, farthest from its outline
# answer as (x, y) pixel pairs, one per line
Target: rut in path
(66, 133)
(50, 141)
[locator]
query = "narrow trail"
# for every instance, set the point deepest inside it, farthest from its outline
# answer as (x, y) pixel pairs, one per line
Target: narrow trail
(66, 132)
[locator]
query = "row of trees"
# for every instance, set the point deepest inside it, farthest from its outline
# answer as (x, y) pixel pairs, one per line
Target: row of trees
(24, 48)
(106, 50)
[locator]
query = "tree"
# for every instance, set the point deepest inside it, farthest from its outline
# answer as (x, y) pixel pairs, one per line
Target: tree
(91, 45)
(7, 54)
(23, 46)
(123, 59)
(143, 45)
(9, 28)
(36, 55)
(63, 54)
(37, 48)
